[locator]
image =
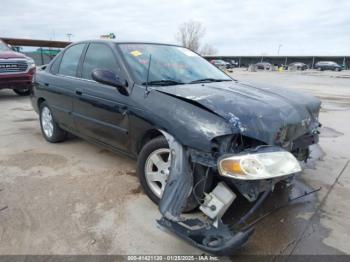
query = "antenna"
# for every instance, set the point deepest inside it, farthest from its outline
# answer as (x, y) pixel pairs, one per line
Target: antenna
(148, 69)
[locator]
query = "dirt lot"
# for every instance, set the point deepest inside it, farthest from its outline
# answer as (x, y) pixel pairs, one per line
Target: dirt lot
(76, 198)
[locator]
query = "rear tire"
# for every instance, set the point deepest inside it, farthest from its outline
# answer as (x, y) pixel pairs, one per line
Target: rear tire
(158, 145)
(22, 91)
(49, 127)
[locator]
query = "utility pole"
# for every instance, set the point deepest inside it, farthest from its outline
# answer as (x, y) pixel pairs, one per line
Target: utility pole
(53, 34)
(69, 35)
(278, 50)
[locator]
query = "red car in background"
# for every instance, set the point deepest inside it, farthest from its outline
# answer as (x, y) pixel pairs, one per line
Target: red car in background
(16, 70)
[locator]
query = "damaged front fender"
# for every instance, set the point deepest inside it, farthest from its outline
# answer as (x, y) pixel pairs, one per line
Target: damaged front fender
(179, 184)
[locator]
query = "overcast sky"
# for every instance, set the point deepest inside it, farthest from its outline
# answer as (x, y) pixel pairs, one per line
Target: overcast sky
(244, 27)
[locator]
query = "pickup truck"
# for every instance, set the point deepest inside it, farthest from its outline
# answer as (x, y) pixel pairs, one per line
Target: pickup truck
(16, 70)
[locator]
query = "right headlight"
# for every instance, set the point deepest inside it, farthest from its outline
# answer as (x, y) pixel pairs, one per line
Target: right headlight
(31, 62)
(258, 166)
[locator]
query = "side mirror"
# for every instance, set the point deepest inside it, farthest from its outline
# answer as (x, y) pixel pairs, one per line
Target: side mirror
(109, 78)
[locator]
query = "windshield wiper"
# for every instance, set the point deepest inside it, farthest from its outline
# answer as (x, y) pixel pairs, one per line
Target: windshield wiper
(206, 80)
(164, 82)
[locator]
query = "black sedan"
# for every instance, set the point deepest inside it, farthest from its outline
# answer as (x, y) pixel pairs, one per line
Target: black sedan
(328, 65)
(199, 136)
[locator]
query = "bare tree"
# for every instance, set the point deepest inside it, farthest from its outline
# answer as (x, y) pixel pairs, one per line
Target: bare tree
(208, 49)
(190, 34)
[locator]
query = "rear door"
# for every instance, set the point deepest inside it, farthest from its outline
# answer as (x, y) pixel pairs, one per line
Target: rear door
(100, 111)
(60, 82)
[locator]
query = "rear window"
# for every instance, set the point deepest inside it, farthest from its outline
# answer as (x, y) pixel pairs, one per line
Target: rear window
(70, 60)
(55, 65)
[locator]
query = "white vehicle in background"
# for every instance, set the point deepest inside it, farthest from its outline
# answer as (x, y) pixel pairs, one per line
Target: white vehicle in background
(297, 66)
(264, 66)
(221, 64)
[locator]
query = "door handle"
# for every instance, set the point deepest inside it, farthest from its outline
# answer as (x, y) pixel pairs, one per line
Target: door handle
(78, 92)
(123, 110)
(46, 84)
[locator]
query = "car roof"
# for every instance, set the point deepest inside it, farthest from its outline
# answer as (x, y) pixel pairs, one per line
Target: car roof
(112, 41)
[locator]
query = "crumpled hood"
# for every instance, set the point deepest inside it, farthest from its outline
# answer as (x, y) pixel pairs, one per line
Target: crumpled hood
(269, 114)
(11, 54)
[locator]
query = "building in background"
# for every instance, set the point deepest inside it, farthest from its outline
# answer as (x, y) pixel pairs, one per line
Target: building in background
(108, 36)
(43, 56)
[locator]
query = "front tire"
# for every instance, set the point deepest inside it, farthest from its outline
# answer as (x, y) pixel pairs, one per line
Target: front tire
(22, 91)
(49, 127)
(153, 169)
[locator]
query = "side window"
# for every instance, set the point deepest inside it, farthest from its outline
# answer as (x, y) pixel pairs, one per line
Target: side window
(55, 65)
(99, 56)
(70, 60)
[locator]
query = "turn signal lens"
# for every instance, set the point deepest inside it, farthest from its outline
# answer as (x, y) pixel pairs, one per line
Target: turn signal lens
(232, 165)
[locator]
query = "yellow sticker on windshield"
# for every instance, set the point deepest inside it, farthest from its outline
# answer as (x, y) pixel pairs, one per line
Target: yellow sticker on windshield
(187, 51)
(136, 53)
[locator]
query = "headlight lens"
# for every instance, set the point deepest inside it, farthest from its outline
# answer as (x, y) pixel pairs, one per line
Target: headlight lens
(31, 62)
(259, 166)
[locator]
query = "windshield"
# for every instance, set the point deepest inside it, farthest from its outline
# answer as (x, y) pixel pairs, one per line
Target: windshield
(3, 47)
(169, 65)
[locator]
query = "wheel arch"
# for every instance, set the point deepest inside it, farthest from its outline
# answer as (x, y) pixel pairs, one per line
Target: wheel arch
(146, 137)
(40, 101)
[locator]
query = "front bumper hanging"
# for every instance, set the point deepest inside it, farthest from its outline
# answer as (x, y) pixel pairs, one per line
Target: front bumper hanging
(218, 239)
(214, 236)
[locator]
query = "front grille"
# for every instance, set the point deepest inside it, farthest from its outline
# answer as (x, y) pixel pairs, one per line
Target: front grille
(11, 66)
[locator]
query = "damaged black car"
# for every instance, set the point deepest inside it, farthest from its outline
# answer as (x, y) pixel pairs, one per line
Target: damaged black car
(200, 137)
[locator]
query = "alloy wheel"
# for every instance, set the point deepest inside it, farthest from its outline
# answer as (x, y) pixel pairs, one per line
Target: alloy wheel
(47, 122)
(157, 170)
